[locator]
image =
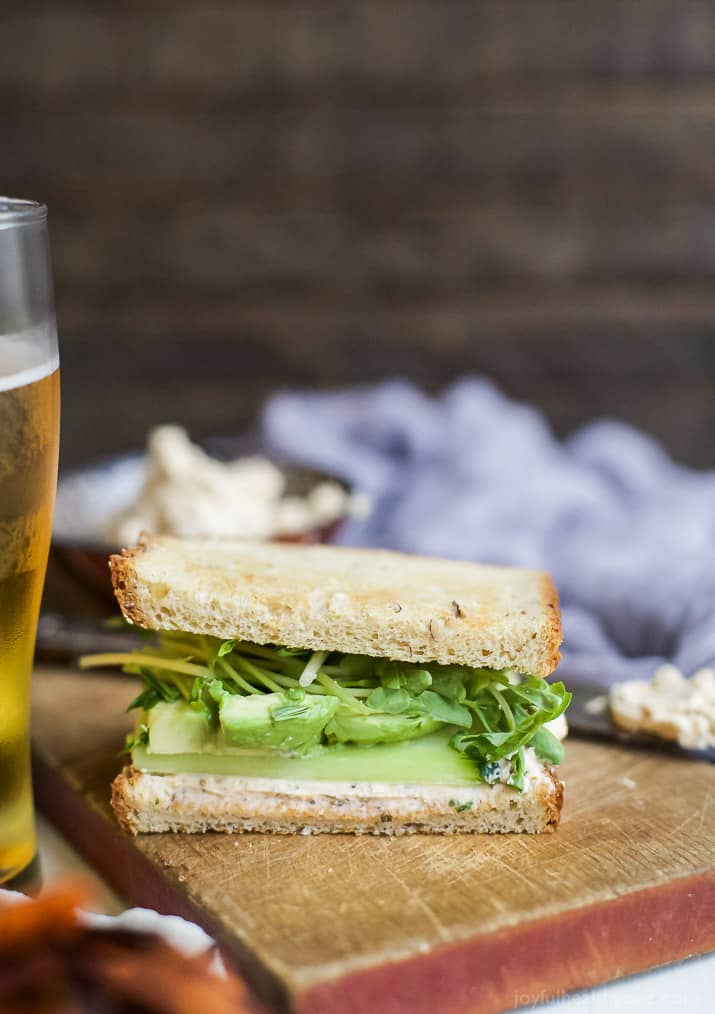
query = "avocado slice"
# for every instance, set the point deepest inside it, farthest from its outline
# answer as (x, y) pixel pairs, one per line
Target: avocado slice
(274, 720)
(378, 727)
(179, 727)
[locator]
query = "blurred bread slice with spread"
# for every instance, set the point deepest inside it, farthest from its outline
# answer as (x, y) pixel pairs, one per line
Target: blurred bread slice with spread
(669, 706)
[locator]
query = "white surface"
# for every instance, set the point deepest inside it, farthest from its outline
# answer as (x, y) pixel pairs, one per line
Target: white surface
(686, 987)
(59, 861)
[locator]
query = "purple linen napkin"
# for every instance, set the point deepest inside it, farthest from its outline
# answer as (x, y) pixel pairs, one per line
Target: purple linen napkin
(628, 535)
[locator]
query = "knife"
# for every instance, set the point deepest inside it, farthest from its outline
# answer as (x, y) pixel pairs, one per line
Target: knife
(64, 638)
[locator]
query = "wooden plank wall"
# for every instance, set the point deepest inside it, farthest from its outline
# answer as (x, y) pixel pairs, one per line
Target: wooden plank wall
(252, 194)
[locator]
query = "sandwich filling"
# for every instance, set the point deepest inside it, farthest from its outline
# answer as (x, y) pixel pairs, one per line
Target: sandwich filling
(231, 707)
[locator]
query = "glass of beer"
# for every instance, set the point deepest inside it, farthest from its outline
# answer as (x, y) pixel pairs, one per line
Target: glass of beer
(29, 438)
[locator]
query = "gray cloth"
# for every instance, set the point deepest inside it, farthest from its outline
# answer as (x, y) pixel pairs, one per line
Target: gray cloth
(628, 535)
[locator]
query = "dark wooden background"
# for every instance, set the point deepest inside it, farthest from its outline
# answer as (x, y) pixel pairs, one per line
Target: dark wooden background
(246, 195)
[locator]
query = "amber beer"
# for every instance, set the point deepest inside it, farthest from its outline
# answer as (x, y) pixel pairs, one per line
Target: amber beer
(29, 435)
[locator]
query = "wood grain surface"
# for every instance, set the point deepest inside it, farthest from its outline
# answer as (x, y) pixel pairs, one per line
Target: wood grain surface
(419, 924)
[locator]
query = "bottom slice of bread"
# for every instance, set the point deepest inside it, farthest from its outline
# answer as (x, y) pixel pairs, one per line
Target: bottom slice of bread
(192, 803)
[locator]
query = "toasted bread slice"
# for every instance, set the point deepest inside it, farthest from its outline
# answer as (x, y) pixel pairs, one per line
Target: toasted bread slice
(363, 601)
(146, 801)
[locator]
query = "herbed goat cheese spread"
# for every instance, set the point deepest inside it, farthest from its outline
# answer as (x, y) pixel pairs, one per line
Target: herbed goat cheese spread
(670, 705)
(188, 493)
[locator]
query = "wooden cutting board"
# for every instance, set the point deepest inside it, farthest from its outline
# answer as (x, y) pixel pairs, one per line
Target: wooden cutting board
(419, 924)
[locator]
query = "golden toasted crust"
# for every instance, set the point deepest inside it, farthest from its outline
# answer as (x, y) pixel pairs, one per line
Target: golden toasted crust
(371, 602)
(554, 635)
(146, 802)
(122, 787)
(121, 569)
(554, 801)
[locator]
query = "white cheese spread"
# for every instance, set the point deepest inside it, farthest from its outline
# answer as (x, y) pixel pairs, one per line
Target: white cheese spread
(188, 493)
(558, 727)
(670, 706)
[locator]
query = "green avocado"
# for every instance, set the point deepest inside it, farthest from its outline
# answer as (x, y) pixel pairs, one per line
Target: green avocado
(378, 727)
(275, 720)
(179, 727)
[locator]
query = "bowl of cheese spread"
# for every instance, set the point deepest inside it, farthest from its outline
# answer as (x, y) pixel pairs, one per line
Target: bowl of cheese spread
(225, 489)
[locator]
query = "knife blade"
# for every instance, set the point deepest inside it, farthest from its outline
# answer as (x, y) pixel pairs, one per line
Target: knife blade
(64, 638)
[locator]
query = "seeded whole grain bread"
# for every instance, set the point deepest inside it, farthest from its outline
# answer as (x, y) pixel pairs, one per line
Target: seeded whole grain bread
(193, 803)
(364, 601)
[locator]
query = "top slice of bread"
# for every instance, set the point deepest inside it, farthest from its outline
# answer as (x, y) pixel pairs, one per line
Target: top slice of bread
(364, 601)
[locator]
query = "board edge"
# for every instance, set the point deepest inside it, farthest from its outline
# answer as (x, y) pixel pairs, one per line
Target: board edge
(542, 959)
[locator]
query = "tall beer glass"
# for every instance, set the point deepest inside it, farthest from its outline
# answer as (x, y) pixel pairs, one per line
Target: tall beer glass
(29, 437)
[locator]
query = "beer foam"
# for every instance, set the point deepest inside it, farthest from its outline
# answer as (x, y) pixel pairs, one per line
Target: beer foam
(27, 356)
(28, 376)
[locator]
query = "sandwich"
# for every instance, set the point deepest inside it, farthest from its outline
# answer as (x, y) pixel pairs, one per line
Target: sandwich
(305, 689)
